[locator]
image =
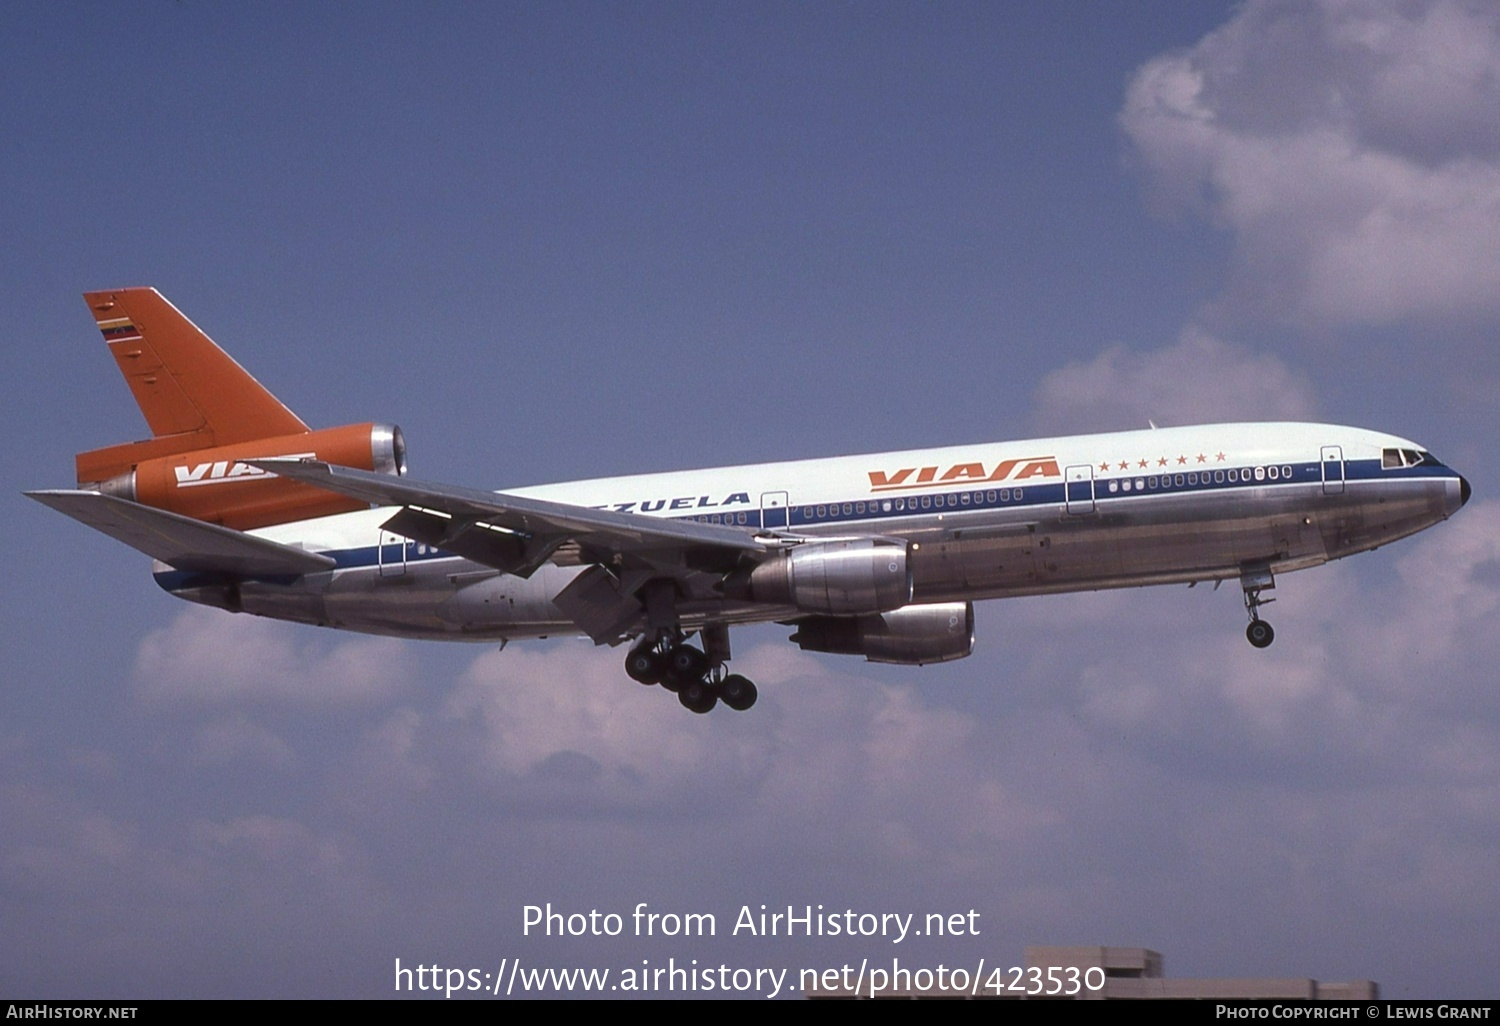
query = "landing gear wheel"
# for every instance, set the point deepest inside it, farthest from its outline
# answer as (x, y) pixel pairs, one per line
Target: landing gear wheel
(739, 693)
(698, 696)
(1260, 633)
(685, 663)
(645, 664)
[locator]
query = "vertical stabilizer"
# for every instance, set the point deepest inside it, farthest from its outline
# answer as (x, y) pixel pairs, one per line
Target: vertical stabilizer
(192, 393)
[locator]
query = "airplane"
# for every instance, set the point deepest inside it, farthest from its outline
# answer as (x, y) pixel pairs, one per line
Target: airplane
(245, 508)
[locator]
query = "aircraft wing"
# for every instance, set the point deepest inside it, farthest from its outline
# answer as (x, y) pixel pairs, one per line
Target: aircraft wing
(180, 541)
(517, 535)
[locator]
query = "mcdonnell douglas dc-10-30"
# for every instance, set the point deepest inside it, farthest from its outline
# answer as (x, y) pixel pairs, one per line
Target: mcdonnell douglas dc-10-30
(246, 508)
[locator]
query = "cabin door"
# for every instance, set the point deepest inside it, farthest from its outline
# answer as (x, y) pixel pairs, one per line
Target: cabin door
(773, 510)
(1333, 470)
(391, 553)
(1080, 489)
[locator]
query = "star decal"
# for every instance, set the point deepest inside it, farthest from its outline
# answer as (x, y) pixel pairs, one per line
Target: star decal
(1124, 465)
(1162, 462)
(1181, 460)
(1202, 458)
(1144, 463)
(1220, 457)
(1104, 465)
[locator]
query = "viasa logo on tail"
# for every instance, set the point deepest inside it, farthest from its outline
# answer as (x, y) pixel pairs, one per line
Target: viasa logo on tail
(964, 473)
(228, 471)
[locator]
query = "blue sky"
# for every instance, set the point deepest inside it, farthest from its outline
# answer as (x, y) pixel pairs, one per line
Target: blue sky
(557, 241)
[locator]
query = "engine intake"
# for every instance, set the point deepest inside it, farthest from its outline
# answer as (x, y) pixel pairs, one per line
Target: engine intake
(909, 636)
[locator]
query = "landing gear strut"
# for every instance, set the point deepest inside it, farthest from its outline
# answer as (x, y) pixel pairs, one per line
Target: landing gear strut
(1259, 632)
(696, 675)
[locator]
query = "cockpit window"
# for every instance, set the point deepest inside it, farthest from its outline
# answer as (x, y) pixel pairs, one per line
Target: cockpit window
(1395, 459)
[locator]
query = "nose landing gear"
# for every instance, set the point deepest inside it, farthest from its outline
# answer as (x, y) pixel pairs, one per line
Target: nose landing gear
(1259, 633)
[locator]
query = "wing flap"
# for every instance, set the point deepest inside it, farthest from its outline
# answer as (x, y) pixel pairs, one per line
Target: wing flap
(182, 542)
(597, 603)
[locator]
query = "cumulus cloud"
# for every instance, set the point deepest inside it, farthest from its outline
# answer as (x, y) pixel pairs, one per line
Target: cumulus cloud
(207, 657)
(565, 734)
(1197, 380)
(564, 721)
(1369, 684)
(1351, 148)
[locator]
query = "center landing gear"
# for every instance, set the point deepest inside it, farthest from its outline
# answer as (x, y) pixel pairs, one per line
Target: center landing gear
(696, 675)
(1259, 632)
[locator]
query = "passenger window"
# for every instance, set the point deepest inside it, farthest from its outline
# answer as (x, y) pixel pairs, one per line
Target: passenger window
(1218, 477)
(1018, 495)
(1260, 473)
(926, 502)
(1114, 486)
(1286, 472)
(1273, 473)
(991, 497)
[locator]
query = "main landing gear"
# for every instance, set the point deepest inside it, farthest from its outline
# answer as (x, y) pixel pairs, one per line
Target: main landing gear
(697, 676)
(1259, 633)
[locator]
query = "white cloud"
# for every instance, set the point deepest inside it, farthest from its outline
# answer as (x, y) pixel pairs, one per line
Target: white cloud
(1197, 380)
(565, 733)
(235, 739)
(564, 719)
(207, 657)
(1351, 147)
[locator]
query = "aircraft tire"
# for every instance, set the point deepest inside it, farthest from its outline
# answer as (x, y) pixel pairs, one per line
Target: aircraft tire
(1260, 633)
(686, 663)
(739, 693)
(644, 666)
(698, 697)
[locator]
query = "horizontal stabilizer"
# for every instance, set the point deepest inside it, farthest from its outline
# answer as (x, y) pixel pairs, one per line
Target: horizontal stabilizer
(182, 542)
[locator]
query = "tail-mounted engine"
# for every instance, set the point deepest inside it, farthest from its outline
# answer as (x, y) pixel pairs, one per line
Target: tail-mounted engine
(219, 486)
(911, 636)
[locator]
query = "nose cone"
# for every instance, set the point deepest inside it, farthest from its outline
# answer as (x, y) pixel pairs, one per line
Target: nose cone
(1457, 494)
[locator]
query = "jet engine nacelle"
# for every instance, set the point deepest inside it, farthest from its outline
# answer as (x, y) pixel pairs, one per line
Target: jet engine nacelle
(910, 636)
(839, 578)
(219, 486)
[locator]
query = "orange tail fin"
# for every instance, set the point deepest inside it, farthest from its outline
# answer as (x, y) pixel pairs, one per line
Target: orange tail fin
(207, 417)
(193, 394)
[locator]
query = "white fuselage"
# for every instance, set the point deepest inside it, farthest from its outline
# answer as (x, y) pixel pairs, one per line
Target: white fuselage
(985, 521)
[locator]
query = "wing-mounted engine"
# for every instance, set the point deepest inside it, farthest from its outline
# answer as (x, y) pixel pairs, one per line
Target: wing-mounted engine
(221, 486)
(911, 636)
(840, 578)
